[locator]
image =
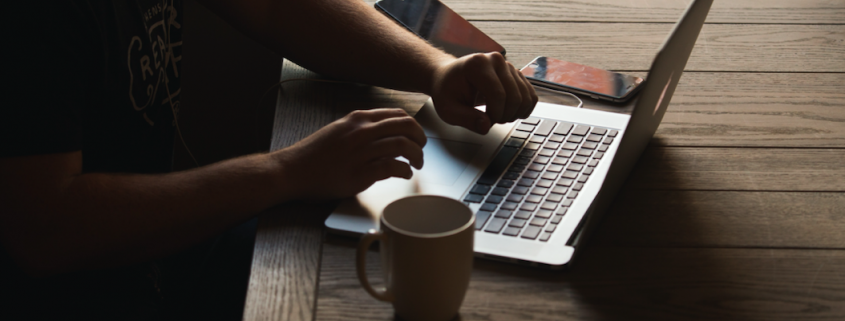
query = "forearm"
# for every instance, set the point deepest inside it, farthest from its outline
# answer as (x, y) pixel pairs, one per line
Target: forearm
(355, 41)
(99, 220)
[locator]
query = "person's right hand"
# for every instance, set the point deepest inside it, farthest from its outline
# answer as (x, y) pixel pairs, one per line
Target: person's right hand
(350, 154)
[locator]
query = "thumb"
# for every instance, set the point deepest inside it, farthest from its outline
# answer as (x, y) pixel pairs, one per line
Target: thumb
(467, 117)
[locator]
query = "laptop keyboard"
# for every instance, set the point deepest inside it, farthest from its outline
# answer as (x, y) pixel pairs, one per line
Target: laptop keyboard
(528, 197)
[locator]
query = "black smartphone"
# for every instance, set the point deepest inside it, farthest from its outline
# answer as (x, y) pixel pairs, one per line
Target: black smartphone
(590, 81)
(439, 25)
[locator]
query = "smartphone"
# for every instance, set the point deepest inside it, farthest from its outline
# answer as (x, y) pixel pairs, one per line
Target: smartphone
(580, 79)
(439, 25)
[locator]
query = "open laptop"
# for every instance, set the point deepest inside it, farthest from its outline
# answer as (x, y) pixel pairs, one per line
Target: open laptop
(538, 185)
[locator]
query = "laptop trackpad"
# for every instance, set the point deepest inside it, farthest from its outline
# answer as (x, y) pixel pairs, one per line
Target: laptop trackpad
(445, 160)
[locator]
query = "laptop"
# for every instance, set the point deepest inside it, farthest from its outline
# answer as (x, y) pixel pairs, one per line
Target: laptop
(538, 185)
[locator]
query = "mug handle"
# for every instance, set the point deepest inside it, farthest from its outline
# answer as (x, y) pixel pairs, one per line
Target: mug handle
(361, 265)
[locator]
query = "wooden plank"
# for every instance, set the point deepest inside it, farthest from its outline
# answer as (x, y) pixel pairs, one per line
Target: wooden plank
(740, 169)
(621, 284)
(632, 46)
(722, 11)
(724, 219)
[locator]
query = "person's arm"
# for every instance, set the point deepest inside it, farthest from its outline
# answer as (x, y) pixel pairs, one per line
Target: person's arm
(54, 218)
(349, 39)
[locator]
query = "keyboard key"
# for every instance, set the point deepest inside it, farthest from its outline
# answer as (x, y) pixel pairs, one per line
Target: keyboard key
(557, 138)
(480, 189)
(559, 189)
(519, 134)
(528, 206)
(561, 211)
(583, 179)
(504, 214)
(589, 145)
(542, 160)
(495, 225)
(581, 130)
(495, 199)
(566, 203)
(545, 127)
(525, 182)
(588, 171)
(532, 146)
(580, 159)
(539, 191)
(480, 218)
(527, 153)
(521, 190)
(545, 182)
(603, 148)
(474, 198)
(608, 140)
(511, 175)
(523, 215)
(543, 214)
(536, 167)
(612, 133)
(525, 127)
(554, 197)
(555, 168)
(560, 160)
(593, 163)
(498, 165)
(594, 138)
(551, 145)
(549, 206)
(545, 237)
(517, 222)
(514, 142)
(565, 182)
(575, 167)
(531, 121)
(577, 186)
(557, 219)
(501, 191)
(506, 183)
(531, 174)
(549, 175)
(569, 174)
(546, 152)
(570, 146)
(533, 198)
(537, 221)
(537, 139)
(564, 153)
(572, 194)
(599, 131)
(598, 155)
(574, 139)
(584, 152)
(516, 198)
(509, 206)
(489, 207)
(531, 232)
(551, 228)
(511, 231)
(563, 128)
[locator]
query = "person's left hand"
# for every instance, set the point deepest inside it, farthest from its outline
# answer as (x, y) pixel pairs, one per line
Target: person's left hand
(473, 80)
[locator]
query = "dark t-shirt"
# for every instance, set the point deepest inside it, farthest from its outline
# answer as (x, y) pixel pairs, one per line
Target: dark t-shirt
(101, 77)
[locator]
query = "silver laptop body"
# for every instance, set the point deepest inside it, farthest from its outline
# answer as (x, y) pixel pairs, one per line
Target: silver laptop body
(543, 226)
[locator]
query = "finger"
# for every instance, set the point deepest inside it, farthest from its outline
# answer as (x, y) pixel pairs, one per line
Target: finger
(393, 147)
(466, 117)
(384, 168)
(526, 106)
(375, 115)
(483, 77)
(513, 97)
(405, 126)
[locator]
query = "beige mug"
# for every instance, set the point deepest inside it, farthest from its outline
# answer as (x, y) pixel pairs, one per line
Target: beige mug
(426, 253)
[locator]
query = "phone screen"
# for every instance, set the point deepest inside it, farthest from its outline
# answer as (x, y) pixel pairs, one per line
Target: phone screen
(440, 26)
(585, 78)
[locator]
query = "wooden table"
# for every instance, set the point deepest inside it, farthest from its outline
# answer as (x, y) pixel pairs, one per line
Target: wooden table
(736, 211)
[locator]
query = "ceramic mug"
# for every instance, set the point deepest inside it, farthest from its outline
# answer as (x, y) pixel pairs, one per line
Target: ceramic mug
(426, 253)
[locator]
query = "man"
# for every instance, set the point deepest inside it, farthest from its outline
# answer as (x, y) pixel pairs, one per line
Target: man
(87, 130)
